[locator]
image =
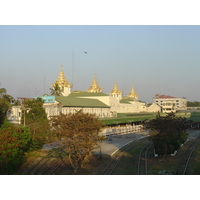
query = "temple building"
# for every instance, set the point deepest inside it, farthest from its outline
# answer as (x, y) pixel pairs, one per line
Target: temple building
(63, 83)
(94, 87)
(132, 95)
(93, 100)
(116, 92)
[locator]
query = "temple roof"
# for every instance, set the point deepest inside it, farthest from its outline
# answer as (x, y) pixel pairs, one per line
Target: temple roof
(94, 87)
(115, 90)
(61, 80)
(80, 102)
(132, 94)
(86, 94)
(127, 101)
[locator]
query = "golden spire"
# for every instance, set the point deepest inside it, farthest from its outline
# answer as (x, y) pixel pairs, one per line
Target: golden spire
(61, 80)
(116, 90)
(94, 87)
(132, 94)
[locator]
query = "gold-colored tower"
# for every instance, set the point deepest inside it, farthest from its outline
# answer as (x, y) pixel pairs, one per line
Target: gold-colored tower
(132, 95)
(116, 92)
(94, 87)
(63, 83)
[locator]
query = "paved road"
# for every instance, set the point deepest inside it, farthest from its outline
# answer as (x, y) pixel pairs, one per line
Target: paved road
(193, 133)
(107, 147)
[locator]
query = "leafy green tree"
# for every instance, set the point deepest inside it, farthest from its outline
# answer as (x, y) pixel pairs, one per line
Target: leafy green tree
(77, 136)
(168, 132)
(56, 90)
(14, 143)
(4, 106)
(5, 103)
(35, 117)
(193, 104)
(2, 91)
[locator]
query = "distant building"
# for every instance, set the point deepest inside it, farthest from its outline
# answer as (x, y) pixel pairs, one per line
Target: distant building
(169, 103)
(92, 101)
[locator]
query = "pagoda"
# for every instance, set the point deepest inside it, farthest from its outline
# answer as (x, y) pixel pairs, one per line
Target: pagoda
(116, 92)
(132, 95)
(63, 84)
(94, 87)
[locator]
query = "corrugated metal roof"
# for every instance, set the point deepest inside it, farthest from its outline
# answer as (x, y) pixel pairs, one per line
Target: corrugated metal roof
(86, 94)
(80, 102)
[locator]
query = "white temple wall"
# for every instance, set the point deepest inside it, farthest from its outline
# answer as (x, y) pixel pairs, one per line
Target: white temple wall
(66, 92)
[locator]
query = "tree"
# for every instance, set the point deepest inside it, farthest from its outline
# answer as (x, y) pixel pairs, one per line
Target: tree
(14, 143)
(56, 90)
(168, 132)
(77, 136)
(4, 106)
(193, 104)
(2, 91)
(35, 118)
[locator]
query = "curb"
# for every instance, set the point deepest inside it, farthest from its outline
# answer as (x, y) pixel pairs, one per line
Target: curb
(120, 148)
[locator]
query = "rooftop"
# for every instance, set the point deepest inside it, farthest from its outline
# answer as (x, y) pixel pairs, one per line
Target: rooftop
(86, 94)
(82, 102)
(158, 96)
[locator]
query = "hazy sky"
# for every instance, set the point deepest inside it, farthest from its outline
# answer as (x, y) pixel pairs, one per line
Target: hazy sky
(155, 59)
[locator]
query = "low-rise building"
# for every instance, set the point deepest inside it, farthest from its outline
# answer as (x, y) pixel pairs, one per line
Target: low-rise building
(169, 103)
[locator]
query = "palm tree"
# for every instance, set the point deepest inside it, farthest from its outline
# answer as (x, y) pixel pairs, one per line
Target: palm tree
(56, 90)
(2, 91)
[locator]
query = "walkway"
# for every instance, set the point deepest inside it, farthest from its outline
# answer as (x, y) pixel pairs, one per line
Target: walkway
(109, 145)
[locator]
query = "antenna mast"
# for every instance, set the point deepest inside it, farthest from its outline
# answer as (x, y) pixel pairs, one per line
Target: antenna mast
(73, 68)
(44, 86)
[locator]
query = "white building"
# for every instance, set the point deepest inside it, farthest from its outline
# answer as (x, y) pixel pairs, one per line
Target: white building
(93, 101)
(169, 103)
(14, 115)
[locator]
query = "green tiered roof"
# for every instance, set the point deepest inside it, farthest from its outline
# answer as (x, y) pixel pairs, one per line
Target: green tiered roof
(80, 102)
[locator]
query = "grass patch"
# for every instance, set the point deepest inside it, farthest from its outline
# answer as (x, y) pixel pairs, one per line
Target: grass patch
(123, 118)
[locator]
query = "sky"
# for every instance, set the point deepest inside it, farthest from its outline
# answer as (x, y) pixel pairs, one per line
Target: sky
(155, 59)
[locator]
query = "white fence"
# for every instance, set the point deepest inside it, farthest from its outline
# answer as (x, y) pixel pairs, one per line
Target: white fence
(121, 130)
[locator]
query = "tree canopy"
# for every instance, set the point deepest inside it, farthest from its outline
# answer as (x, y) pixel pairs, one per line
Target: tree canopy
(193, 104)
(56, 90)
(35, 117)
(14, 143)
(168, 132)
(5, 104)
(78, 135)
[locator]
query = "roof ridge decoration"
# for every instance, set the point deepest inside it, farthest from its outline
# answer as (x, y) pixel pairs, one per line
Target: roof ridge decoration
(115, 89)
(94, 87)
(132, 94)
(61, 80)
